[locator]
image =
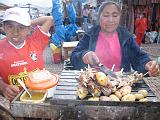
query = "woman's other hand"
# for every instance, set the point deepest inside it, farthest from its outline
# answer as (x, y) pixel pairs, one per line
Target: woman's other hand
(90, 58)
(153, 68)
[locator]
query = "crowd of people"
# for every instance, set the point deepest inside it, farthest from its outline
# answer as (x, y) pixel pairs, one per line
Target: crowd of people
(106, 42)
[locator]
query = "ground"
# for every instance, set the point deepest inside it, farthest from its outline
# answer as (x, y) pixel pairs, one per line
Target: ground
(49, 62)
(152, 49)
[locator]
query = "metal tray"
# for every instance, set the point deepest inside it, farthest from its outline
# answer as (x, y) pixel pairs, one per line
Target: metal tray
(72, 108)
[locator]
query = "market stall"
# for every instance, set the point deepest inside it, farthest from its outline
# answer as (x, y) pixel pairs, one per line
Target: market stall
(66, 105)
(131, 8)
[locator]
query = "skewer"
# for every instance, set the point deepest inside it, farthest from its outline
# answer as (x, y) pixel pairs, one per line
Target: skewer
(145, 73)
(86, 68)
(89, 66)
(135, 73)
(92, 86)
(122, 71)
(113, 67)
(85, 84)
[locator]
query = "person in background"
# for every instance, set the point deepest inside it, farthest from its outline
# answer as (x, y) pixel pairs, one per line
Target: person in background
(93, 16)
(2, 33)
(22, 50)
(110, 44)
(141, 27)
(86, 12)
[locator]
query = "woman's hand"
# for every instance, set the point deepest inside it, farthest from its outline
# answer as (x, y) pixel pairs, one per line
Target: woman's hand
(153, 68)
(10, 91)
(90, 58)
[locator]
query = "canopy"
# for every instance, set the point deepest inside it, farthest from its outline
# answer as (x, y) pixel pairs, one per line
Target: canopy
(42, 5)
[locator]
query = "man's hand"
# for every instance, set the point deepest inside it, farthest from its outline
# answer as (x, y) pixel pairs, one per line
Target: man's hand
(10, 91)
(152, 67)
(90, 58)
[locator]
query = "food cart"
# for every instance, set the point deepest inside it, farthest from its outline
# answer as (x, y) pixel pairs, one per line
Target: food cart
(65, 104)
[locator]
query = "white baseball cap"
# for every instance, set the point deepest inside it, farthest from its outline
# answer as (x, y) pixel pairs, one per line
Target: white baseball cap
(19, 15)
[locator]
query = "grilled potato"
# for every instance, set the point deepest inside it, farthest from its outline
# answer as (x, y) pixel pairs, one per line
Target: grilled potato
(128, 97)
(118, 94)
(101, 78)
(105, 98)
(93, 98)
(143, 92)
(143, 100)
(114, 98)
(125, 90)
(138, 96)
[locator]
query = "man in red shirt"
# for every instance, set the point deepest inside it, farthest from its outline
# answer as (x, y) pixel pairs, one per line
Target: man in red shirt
(22, 50)
(141, 27)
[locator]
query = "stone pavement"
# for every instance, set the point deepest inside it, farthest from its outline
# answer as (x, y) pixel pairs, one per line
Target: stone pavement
(152, 49)
(49, 62)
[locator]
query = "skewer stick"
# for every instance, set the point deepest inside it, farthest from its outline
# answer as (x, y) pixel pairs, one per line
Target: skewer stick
(81, 70)
(113, 67)
(92, 86)
(85, 84)
(89, 66)
(145, 73)
(135, 72)
(122, 71)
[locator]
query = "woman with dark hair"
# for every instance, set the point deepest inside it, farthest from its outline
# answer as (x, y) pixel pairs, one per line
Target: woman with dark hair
(109, 44)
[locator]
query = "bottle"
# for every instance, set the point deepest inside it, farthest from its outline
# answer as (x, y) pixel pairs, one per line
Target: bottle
(57, 53)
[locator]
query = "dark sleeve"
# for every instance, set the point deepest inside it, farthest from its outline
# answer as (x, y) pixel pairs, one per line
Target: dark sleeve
(138, 57)
(79, 51)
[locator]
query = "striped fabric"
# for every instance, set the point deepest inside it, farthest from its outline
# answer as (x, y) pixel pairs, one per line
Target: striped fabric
(155, 1)
(142, 2)
(145, 2)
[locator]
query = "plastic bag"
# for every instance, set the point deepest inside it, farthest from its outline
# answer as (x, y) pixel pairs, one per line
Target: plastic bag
(152, 36)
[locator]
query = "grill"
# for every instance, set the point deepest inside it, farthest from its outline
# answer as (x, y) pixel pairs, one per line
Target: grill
(72, 108)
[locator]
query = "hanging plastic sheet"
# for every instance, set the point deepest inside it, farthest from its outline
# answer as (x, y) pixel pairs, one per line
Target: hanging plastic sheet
(63, 33)
(72, 27)
(59, 35)
(71, 13)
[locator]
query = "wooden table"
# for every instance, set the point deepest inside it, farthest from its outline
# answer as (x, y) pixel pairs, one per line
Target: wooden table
(68, 46)
(66, 106)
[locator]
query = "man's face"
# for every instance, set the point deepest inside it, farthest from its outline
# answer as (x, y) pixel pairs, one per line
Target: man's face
(16, 32)
(109, 19)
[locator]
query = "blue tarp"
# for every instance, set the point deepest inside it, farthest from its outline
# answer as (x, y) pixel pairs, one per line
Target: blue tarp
(63, 33)
(72, 27)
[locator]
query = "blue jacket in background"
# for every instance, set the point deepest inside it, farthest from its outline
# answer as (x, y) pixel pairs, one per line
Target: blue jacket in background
(132, 56)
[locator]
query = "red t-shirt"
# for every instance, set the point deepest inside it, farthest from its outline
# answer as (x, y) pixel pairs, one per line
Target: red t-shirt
(15, 63)
(108, 50)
